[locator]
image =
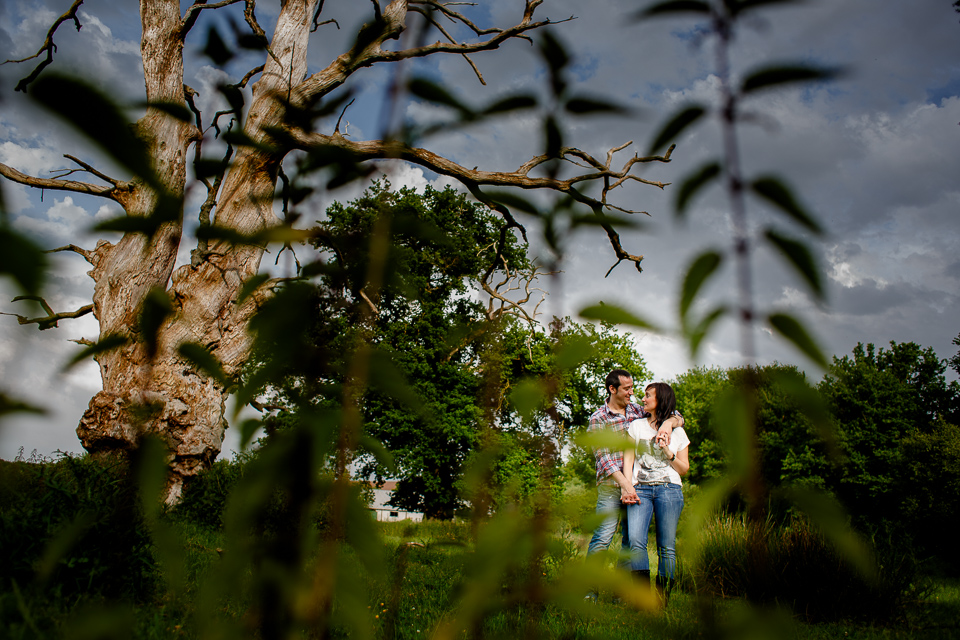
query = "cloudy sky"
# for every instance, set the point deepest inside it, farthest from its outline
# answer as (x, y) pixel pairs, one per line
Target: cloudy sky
(875, 155)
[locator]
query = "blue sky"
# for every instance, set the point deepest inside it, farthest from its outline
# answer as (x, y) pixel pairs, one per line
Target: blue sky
(875, 154)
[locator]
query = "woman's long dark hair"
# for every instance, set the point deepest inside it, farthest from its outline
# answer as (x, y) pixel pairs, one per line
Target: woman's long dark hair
(666, 401)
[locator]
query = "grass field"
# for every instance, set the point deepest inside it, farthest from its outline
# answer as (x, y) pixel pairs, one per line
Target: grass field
(102, 572)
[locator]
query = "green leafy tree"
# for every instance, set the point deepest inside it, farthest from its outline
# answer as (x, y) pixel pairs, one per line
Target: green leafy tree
(931, 477)
(954, 362)
(880, 398)
(698, 391)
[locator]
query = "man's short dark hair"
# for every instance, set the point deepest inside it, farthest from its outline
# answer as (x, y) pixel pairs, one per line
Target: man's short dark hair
(613, 378)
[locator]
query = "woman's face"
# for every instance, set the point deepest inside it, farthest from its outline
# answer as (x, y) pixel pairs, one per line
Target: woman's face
(650, 400)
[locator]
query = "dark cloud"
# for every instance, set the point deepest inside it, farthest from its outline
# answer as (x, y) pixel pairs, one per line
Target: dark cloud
(953, 270)
(873, 298)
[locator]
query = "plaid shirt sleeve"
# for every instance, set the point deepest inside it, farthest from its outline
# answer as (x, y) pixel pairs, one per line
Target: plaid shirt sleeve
(607, 461)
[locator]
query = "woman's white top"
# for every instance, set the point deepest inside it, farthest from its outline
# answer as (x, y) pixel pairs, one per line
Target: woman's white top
(652, 464)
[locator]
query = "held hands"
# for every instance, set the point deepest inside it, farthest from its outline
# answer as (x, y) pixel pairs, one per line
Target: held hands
(629, 496)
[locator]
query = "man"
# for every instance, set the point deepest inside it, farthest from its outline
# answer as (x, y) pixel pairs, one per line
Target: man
(613, 482)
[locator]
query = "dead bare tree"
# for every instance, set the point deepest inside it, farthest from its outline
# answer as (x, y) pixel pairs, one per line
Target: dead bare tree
(188, 407)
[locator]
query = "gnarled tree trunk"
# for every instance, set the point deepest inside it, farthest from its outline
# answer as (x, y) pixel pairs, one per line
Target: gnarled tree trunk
(162, 393)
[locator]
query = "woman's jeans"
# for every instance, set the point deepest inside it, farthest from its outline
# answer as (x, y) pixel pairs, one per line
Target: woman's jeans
(664, 502)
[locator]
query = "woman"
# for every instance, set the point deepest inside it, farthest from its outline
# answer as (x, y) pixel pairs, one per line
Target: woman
(657, 468)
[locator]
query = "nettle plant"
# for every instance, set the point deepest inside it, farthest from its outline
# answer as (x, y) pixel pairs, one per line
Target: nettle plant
(736, 412)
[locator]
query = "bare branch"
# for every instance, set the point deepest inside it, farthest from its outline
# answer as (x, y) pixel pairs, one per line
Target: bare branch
(316, 16)
(373, 307)
(90, 169)
(50, 320)
(87, 254)
(200, 254)
(114, 192)
(48, 46)
(474, 178)
(390, 23)
(261, 407)
(248, 15)
(250, 74)
(428, 15)
(336, 129)
(191, 14)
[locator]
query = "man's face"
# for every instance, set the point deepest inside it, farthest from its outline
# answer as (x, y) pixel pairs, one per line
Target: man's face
(620, 397)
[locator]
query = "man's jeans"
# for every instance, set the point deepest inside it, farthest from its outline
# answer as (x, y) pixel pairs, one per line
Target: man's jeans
(608, 503)
(664, 502)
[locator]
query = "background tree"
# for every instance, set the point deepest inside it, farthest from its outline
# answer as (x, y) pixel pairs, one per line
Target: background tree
(881, 398)
(147, 306)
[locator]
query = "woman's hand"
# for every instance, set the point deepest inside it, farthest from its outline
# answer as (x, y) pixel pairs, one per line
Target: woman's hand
(628, 495)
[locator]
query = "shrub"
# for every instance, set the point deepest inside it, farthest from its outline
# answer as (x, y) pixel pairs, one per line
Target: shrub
(798, 568)
(205, 494)
(76, 524)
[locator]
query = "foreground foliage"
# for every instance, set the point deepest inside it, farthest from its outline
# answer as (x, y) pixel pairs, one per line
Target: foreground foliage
(426, 570)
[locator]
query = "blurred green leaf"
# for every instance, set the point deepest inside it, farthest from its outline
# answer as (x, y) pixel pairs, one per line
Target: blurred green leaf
(785, 74)
(10, 405)
(693, 183)
(22, 260)
(696, 514)
(154, 311)
(387, 377)
(574, 352)
(615, 315)
(553, 138)
(696, 333)
(675, 126)
(175, 109)
(151, 465)
(792, 330)
(511, 103)
(738, 7)
(772, 189)
(107, 343)
(704, 266)
(582, 106)
(379, 451)
(528, 396)
(553, 51)
(829, 516)
(514, 201)
(433, 92)
(800, 257)
(198, 355)
(733, 415)
(216, 49)
(812, 404)
(208, 168)
(603, 439)
(251, 285)
(96, 116)
(672, 7)
(248, 429)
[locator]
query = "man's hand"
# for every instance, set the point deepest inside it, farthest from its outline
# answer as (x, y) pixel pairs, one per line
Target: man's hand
(666, 430)
(629, 496)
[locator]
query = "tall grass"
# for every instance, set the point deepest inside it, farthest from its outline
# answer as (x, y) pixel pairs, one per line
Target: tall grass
(802, 571)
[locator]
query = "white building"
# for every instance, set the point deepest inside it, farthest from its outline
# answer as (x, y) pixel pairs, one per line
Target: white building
(386, 513)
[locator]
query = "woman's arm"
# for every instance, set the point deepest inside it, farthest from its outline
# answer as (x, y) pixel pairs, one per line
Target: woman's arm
(681, 461)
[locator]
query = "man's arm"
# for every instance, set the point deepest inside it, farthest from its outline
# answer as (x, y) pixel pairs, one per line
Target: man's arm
(666, 429)
(628, 493)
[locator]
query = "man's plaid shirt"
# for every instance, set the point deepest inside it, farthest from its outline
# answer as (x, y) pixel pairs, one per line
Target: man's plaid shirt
(603, 418)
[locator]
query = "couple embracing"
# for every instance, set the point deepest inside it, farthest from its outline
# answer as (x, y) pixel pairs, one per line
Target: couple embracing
(644, 479)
